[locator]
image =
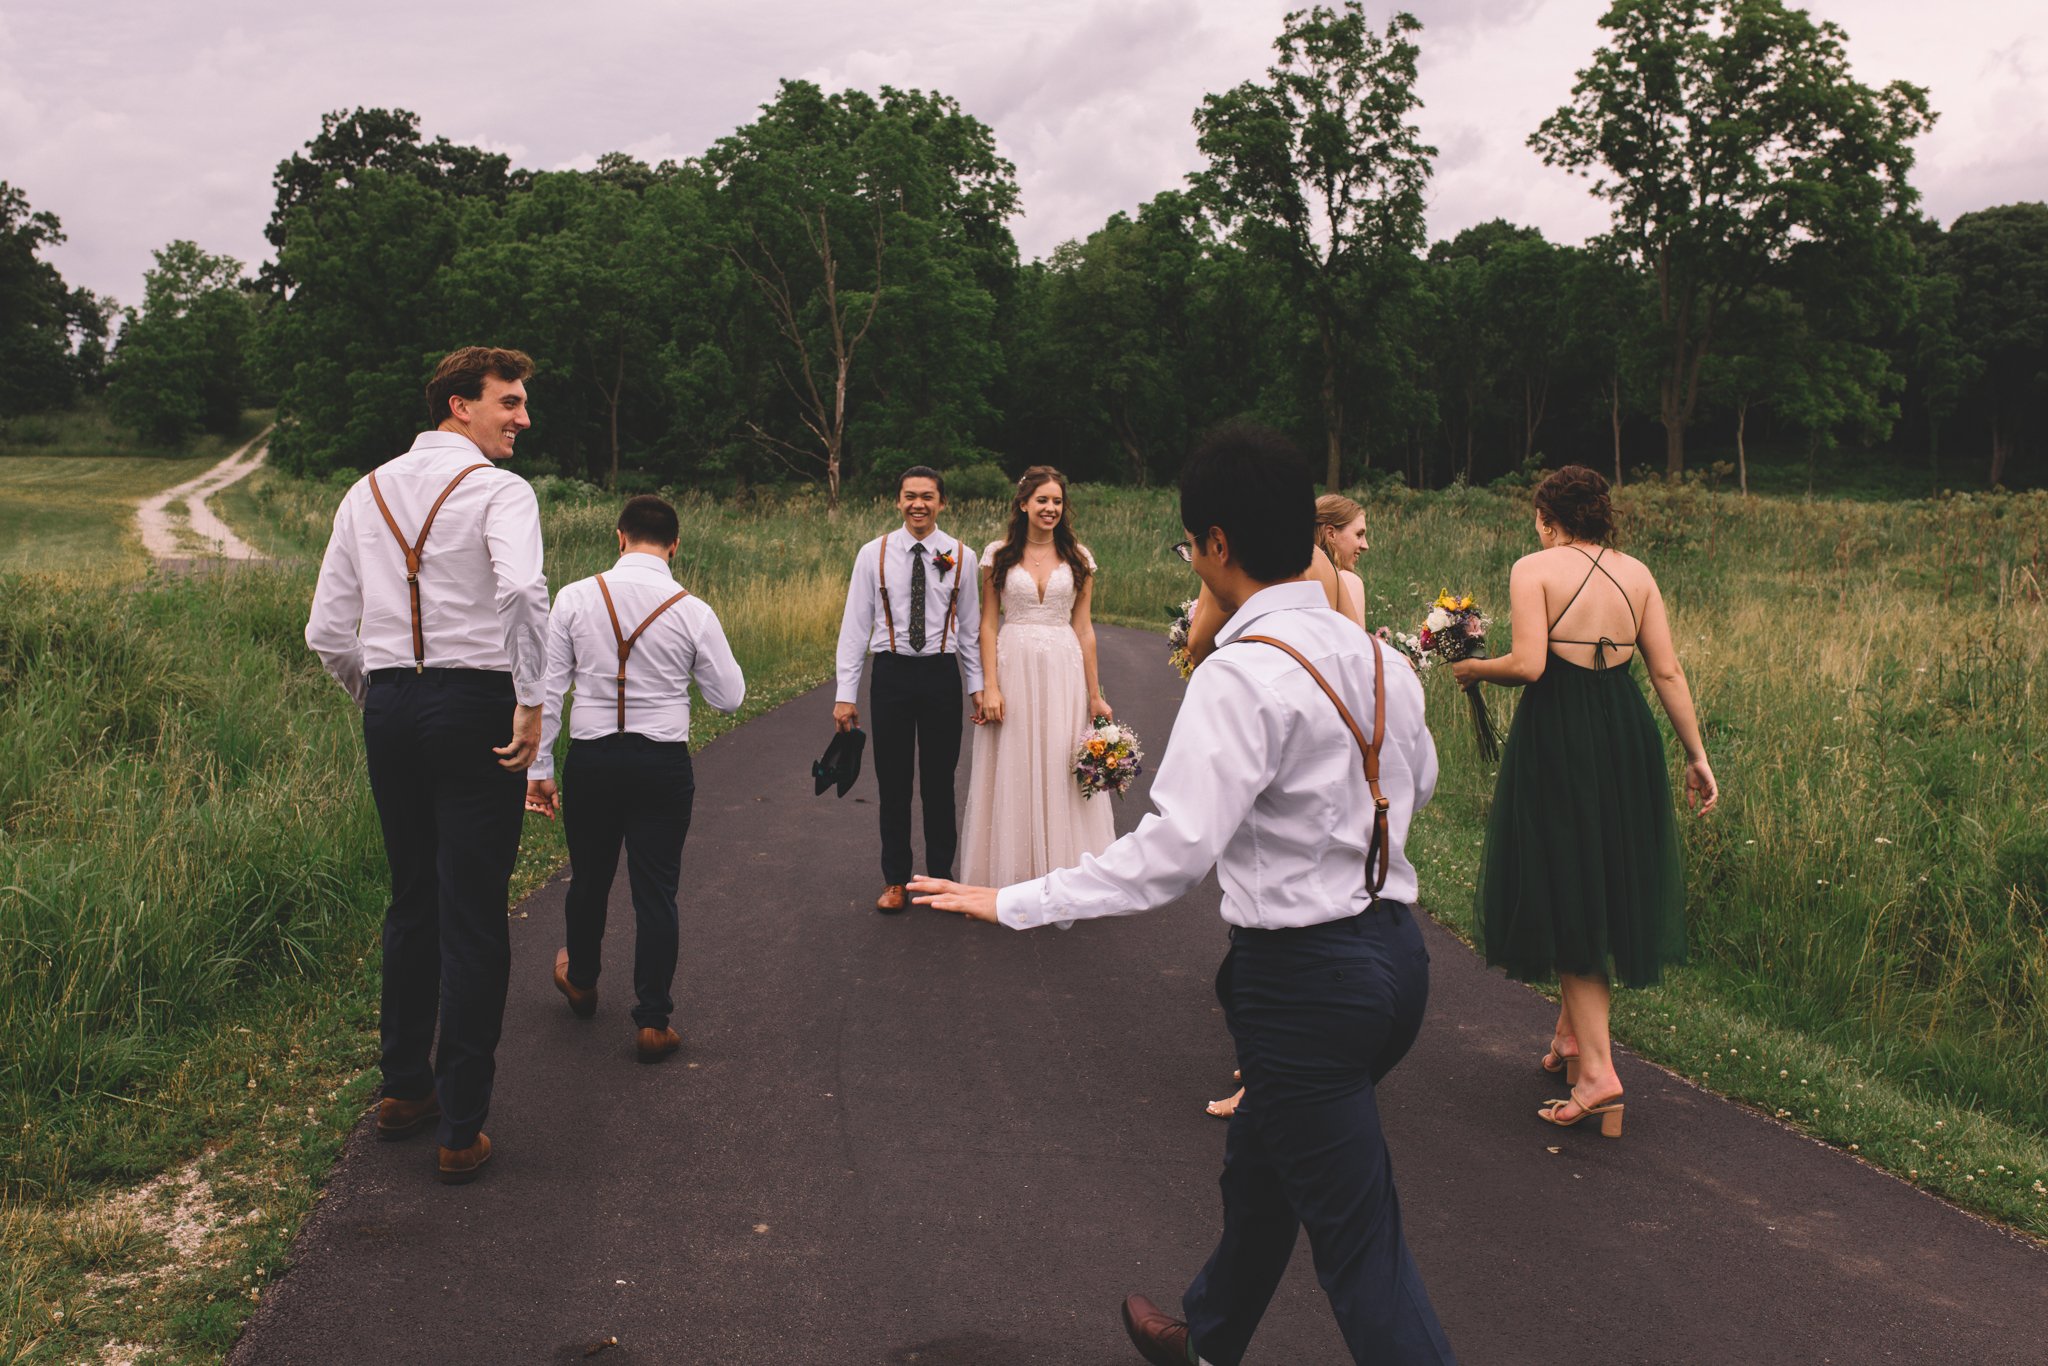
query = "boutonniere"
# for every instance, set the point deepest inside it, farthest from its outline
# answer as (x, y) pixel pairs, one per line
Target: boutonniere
(943, 562)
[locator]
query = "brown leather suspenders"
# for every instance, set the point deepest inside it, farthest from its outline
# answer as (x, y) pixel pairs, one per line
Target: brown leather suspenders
(889, 614)
(413, 551)
(1377, 855)
(626, 641)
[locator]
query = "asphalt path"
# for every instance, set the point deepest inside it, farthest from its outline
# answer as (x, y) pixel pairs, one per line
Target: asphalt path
(916, 1139)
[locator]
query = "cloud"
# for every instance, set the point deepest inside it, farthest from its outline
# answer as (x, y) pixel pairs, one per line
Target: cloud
(154, 123)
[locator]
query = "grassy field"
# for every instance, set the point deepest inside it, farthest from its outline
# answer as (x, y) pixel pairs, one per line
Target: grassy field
(190, 878)
(76, 514)
(68, 496)
(88, 430)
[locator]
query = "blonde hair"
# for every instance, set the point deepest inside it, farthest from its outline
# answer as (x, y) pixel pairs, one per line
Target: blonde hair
(1334, 512)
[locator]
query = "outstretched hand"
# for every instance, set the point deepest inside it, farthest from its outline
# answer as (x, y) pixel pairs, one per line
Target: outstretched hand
(978, 903)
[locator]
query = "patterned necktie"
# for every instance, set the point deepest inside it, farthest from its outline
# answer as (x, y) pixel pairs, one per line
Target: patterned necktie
(917, 598)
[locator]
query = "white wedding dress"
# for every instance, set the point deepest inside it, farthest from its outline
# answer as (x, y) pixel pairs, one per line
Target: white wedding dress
(1025, 813)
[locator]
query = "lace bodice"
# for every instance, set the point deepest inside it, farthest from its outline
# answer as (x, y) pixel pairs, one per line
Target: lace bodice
(1021, 605)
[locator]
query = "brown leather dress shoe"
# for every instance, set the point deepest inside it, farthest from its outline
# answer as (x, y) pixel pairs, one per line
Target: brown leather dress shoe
(891, 899)
(583, 1003)
(655, 1044)
(1160, 1340)
(459, 1166)
(403, 1118)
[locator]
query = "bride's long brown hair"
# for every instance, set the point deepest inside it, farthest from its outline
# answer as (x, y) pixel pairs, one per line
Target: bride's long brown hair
(1011, 553)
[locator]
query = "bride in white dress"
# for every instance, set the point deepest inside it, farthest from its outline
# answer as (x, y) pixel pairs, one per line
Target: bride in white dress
(1025, 813)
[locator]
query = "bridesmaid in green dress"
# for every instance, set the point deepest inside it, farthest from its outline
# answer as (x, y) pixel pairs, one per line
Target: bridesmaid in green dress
(1582, 877)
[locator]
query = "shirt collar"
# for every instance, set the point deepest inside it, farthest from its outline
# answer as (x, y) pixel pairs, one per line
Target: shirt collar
(438, 440)
(1280, 597)
(640, 559)
(934, 540)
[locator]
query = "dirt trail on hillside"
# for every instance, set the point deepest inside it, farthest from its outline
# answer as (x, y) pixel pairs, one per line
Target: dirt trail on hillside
(178, 527)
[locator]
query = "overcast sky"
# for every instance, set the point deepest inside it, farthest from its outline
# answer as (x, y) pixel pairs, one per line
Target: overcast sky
(138, 122)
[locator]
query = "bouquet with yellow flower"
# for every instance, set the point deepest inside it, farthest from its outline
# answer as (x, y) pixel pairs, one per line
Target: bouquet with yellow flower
(1108, 758)
(1453, 630)
(1177, 638)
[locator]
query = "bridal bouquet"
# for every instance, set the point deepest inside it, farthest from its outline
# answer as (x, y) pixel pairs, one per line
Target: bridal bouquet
(1455, 630)
(1108, 758)
(1177, 637)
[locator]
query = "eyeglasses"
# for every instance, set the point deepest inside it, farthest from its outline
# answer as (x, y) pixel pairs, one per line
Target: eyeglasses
(1184, 549)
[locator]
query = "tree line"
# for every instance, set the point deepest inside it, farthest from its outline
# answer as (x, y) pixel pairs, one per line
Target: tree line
(832, 291)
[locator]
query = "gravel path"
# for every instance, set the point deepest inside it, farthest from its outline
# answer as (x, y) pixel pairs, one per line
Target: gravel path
(178, 527)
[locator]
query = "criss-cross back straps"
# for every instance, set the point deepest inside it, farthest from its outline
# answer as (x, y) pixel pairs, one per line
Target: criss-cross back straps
(1605, 643)
(625, 641)
(413, 550)
(1380, 852)
(889, 613)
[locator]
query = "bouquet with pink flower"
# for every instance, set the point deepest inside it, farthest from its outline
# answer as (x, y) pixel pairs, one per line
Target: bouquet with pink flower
(1455, 630)
(1108, 758)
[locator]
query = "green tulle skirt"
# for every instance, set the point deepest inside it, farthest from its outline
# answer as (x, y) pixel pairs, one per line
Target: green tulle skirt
(1583, 872)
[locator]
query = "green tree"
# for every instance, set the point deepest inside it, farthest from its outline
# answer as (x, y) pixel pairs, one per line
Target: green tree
(1998, 259)
(867, 221)
(388, 140)
(1321, 172)
(36, 311)
(181, 365)
(580, 268)
(348, 349)
(88, 317)
(1118, 326)
(1939, 369)
(1727, 132)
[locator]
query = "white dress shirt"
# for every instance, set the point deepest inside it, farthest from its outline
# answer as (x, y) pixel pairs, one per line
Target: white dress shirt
(864, 629)
(1262, 780)
(684, 643)
(483, 597)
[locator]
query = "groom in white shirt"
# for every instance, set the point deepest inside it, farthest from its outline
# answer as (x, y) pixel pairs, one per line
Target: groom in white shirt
(1326, 978)
(913, 606)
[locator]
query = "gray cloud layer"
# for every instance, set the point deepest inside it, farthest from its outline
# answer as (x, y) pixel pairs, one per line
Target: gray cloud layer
(138, 123)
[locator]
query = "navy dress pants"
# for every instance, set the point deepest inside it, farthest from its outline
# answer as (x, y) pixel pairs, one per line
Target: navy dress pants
(915, 711)
(627, 789)
(1319, 1016)
(451, 821)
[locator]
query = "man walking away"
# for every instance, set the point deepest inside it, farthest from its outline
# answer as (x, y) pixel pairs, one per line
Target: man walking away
(429, 612)
(629, 641)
